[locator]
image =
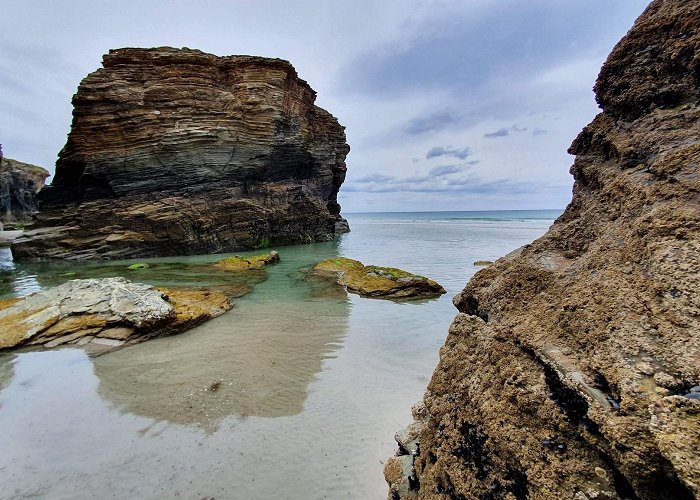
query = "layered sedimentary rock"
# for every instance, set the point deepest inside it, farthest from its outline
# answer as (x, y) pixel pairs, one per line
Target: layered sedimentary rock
(570, 370)
(177, 152)
(19, 185)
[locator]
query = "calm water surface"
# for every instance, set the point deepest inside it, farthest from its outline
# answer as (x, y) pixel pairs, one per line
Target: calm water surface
(314, 382)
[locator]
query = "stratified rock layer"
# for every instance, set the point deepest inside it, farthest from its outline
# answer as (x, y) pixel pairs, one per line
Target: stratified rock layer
(177, 152)
(568, 372)
(19, 185)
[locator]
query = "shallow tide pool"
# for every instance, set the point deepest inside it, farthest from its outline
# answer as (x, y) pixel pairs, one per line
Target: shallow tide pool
(294, 393)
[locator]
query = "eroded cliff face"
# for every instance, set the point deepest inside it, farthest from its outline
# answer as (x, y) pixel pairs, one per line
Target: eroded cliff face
(19, 184)
(175, 151)
(569, 371)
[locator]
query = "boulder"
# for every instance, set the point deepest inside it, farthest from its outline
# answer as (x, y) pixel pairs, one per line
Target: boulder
(177, 152)
(378, 282)
(19, 184)
(108, 312)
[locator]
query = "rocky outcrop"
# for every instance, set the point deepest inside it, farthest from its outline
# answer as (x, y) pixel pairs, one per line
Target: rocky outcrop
(107, 312)
(568, 371)
(378, 282)
(175, 151)
(19, 185)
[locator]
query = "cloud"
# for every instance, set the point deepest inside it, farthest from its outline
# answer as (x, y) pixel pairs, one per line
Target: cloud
(445, 170)
(539, 131)
(472, 162)
(438, 151)
(501, 132)
(374, 178)
(433, 122)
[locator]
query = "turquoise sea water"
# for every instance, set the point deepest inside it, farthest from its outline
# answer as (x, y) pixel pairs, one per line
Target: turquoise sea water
(314, 382)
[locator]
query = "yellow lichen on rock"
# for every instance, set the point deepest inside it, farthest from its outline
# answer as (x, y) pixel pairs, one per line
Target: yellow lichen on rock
(238, 263)
(193, 307)
(377, 281)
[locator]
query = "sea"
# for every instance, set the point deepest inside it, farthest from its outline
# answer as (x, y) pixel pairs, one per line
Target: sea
(313, 381)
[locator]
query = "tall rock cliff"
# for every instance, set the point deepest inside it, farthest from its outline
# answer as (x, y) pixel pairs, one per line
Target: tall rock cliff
(570, 370)
(175, 151)
(19, 185)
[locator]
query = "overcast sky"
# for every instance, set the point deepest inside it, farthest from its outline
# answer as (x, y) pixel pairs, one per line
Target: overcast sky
(449, 105)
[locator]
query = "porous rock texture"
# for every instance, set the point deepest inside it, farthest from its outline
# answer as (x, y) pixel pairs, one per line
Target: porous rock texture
(19, 184)
(175, 151)
(568, 371)
(104, 312)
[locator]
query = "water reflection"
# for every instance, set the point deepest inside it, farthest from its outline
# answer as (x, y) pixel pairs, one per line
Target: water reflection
(255, 360)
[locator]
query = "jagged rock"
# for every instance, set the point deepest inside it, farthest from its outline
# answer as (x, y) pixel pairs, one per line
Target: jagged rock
(238, 263)
(108, 311)
(175, 151)
(19, 185)
(378, 282)
(565, 373)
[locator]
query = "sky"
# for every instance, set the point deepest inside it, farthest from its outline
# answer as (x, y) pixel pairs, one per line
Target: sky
(448, 105)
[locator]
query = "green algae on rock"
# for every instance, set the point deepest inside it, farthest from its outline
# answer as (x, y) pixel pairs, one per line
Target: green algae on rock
(377, 281)
(483, 263)
(238, 263)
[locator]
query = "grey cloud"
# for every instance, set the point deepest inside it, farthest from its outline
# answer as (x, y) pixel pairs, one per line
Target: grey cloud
(445, 170)
(431, 123)
(516, 128)
(539, 131)
(441, 55)
(472, 162)
(374, 178)
(501, 132)
(438, 151)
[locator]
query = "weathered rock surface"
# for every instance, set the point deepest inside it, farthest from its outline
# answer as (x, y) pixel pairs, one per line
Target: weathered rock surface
(105, 312)
(19, 185)
(175, 151)
(568, 372)
(378, 282)
(238, 263)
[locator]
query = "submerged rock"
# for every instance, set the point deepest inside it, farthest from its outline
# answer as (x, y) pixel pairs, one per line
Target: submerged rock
(378, 282)
(109, 311)
(176, 152)
(19, 185)
(238, 263)
(567, 372)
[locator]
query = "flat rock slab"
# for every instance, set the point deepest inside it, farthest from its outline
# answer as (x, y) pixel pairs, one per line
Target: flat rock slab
(378, 282)
(109, 311)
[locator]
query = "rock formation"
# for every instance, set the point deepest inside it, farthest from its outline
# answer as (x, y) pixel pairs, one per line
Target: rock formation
(175, 151)
(19, 185)
(569, 371)
(238, 263)
(378, 282)
(107, 312)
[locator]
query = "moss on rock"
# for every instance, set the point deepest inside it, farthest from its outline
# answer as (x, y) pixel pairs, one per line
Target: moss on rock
(377, 281)
(238, 263)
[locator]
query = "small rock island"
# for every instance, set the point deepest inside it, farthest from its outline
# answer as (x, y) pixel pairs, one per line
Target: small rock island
(177, 152)
(377, 281)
